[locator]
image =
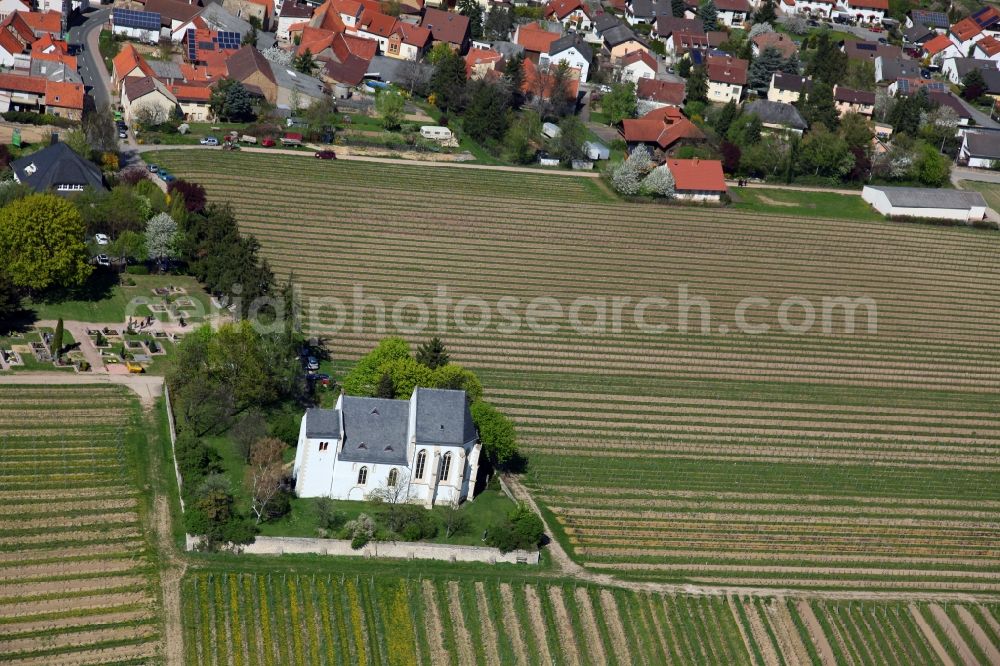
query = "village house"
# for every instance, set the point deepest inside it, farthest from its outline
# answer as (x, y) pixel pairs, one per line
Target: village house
(780, 42)
(535, 39)
(573, 51)
(964, 34)
(621, 41)
(848, 100)
(660, 129)
(980, 150)
(16, 38)
(572, 14)
(57, 168)
(726, 78)
(987, 48)
(135, 24)
(645, 12)
(174, 15)
(733, 13)
(194, 101)
(656, 93)
(638, 65)
(146, 99)
(680, 35)
(937, 21)
(956, 69)
(447, 27)
(292, 14)
(64, 99)
(428, 444)
(480, 63)
(787, 88)
(777, 116)
(939, 48)
(697, 180)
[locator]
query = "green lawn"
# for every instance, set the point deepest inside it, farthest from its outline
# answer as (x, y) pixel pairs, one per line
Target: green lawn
(109, 46)
(805, 204)
(103, 300)
(990, 191)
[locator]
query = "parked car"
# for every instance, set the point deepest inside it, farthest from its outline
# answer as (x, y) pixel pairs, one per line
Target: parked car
(326, 155)
(101, 239)
(167, 176)
(322, 378)
(122, 134)
(312, 365)
(102, 260)
(153, 168)
(209, 141)
(268, 142)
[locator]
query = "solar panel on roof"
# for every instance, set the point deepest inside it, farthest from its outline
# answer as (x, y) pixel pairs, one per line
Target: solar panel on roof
(132, 18)
(866, 47)
(229, 40)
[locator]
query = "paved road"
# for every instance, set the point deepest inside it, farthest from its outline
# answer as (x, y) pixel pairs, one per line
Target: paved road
(92, 69)
(964, 173)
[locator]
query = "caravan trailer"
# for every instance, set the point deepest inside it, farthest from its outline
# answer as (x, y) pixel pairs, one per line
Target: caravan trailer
(435, 132)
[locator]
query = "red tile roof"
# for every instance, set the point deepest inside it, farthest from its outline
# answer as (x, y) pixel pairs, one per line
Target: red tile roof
(775, 40)
(21, 83)
(664, 127)
(697, 175)
(15, 34)
(639, 56)
(534, 38)
(41, 22)
(328, 18)
(480, 57)
(733, 5)
(560, 9)
(413, 35)
(666, 92)
(869, 4)
(446, 26)
(725, 69)
(64, 95)
(377, 23)
(128, 59)
(966, 29)
(191, 93)
(989, 45)
(937, 44)
(314, 40)
(55, 56)
(532, 83)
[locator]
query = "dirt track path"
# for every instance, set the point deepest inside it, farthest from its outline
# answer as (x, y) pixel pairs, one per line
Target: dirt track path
(816, 633)
(931, 637)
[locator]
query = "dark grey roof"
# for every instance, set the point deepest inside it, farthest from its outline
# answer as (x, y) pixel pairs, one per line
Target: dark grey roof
(56, 165)
(219, 18)
(322, 423)
(650, 9)
(375, 430)
(566, 41)
(793, 82)
(165, 69)
(605, 22)
(965, 65)
(507, 49)
(55, 71)
(929, 18)
(443, 417)
(983, 144)
(391, 70)
(898, 68)
(918, 34)
(776, 113)
(618, 35)
(929, 197)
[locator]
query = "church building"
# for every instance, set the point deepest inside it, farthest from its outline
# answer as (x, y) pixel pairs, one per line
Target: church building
(428, 443)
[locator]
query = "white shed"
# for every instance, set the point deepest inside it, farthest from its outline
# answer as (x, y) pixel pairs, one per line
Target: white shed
(435, 132)
(551, 130)
(596, 151)
(547, 160)
(926, 202)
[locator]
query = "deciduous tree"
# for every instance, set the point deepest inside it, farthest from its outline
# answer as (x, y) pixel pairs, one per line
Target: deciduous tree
(620, 103)
(161, 237)
(389, 105)
(265, 476)
(41, 243)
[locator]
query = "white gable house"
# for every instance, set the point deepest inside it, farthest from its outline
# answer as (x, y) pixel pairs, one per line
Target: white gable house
(571, 50)
(428, 443)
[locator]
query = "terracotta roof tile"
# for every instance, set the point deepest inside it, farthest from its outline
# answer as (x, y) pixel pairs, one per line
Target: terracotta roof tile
(563, 8)
(64, 95)
(937, 44)
(446, 26)
(21, 83)
(664, 127)
(989, 45)
(535, 38)
(697, 175)
(50, 22)
(666, 92)
(966, 29)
